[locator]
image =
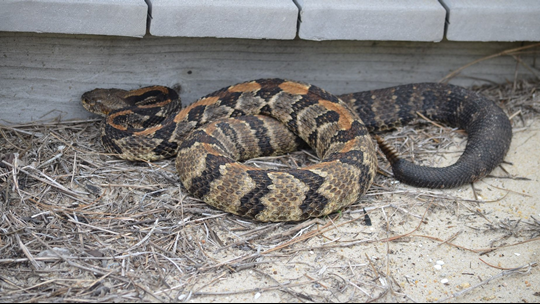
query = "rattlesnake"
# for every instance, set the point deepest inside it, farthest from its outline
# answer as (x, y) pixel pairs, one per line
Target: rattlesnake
(208, 143)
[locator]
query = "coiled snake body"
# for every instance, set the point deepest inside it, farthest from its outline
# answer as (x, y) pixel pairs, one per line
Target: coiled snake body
(247, 120)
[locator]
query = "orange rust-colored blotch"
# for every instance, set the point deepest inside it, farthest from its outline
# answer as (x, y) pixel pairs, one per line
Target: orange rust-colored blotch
(110, 119)
(210, 149)
(148, 131)
(294, 88)
(349, 145)
(345, 115)
(206, 101)
(245, 87)
(210, 128)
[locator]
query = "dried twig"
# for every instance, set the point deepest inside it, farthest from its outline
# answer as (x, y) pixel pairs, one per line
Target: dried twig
(519, 270)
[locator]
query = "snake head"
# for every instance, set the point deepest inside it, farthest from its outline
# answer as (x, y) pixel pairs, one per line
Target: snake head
(103, 101)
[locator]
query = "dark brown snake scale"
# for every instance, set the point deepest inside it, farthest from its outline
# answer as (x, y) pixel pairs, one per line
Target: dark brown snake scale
(247, 120)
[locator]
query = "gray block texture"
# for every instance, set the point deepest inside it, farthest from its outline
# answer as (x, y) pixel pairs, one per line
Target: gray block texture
(493, 20)
(94, 17)
(253, 19)
(404, 20)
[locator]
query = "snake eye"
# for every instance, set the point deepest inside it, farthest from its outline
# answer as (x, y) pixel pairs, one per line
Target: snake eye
(94, 104)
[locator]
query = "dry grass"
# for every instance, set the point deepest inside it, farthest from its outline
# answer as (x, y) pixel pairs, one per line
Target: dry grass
(78, 225)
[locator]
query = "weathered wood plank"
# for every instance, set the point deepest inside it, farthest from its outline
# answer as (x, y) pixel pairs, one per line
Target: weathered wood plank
(42, 76)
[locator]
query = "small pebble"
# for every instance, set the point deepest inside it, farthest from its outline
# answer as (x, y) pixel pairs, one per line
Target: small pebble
(444, 281)
(440, 263)
(257, 295)
(438, 267)
(517, 254)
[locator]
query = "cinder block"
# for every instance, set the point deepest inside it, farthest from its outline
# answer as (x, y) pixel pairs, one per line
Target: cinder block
(406, 20)
(493, 20)
(254, 19)
(95, 17)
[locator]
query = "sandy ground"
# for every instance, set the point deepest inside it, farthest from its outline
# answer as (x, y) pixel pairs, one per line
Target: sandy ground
(127, 232)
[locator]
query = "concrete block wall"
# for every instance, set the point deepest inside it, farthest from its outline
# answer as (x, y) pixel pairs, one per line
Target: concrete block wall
(254, 19)
(95, 17)
(493, 20)
(404, 20)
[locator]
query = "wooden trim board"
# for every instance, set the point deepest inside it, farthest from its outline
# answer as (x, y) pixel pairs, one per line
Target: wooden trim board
(44, 75)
